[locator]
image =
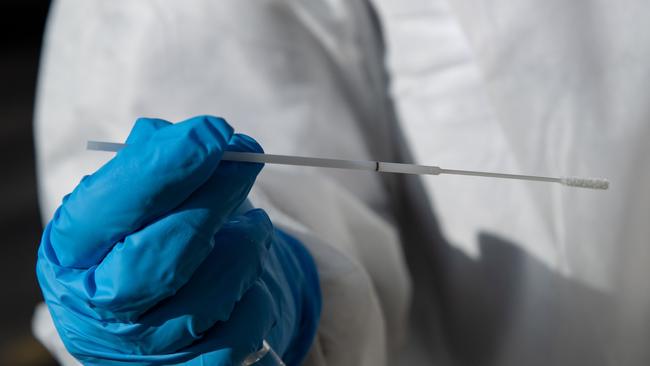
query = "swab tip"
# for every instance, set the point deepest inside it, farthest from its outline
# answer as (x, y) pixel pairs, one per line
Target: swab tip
(593, 183)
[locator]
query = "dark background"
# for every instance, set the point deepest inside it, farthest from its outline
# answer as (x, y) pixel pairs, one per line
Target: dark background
(21, 31)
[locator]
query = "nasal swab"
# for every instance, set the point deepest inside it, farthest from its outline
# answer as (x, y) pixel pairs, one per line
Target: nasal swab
(376, 166)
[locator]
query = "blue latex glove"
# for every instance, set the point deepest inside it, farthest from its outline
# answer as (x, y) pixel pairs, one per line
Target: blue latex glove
(149, 262)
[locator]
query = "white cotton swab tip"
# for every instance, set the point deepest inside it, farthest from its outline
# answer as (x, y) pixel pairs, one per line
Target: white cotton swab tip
(593, 183)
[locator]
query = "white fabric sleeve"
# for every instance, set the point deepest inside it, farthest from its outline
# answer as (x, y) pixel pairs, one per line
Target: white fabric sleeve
(290, 74)
(365, 283)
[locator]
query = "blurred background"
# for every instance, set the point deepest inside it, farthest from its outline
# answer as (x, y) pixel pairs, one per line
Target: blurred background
(22, 23)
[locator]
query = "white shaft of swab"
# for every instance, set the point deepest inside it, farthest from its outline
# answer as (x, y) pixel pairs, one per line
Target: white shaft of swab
(377, 166)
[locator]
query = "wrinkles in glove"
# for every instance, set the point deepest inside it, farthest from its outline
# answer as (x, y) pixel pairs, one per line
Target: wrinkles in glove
(150, 260)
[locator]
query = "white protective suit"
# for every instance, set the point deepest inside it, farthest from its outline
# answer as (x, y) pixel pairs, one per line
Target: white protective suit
(506, 273)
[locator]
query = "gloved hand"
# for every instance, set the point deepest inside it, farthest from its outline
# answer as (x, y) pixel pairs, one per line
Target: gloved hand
(149, 262)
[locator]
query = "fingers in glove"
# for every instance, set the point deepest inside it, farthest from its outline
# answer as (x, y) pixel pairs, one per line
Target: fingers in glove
(144, 128)
(211, 294)
(230, 342)
(142, 182)
(156, 261)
